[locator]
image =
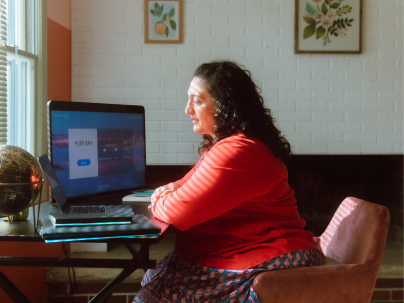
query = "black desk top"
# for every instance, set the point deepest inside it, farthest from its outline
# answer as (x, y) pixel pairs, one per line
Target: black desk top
(24, 230)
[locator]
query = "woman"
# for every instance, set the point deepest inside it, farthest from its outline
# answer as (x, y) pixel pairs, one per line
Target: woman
(235, 212)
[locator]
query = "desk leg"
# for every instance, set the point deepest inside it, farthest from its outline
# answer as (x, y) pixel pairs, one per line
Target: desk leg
(144, 252)
(106, 292)
(104, 295)
(107, 297)
(11, 290)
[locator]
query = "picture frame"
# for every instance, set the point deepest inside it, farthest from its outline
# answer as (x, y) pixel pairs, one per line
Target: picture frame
(328, 26)
(163, 21)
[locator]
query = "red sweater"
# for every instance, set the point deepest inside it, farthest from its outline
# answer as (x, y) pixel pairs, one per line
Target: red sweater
(235, 208)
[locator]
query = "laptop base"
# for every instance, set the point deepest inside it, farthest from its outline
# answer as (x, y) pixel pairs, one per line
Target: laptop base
(88, 219)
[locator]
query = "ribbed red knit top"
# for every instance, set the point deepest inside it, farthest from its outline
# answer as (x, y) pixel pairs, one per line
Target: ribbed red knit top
(235, 208)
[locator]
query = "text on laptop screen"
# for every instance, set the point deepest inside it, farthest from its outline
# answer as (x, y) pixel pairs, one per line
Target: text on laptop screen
(97, 152)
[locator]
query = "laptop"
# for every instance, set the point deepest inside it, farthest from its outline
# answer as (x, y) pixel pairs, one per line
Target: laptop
(97, 152)
(65, 226)
(76, 215)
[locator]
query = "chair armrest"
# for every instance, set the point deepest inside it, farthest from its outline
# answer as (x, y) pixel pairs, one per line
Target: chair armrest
(318, 284)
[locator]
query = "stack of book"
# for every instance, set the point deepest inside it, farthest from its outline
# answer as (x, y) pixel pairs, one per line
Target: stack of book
(55, 228)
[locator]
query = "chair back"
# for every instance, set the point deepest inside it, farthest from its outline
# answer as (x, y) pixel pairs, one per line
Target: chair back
(355, 237)
(357, 233)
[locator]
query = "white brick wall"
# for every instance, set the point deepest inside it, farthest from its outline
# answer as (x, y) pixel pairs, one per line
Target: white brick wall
(324, 104)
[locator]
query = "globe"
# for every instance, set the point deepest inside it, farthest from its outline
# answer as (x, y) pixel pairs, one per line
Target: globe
(17, 166)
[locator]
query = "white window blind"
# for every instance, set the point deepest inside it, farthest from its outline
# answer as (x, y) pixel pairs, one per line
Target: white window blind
(22, 73)
(21, 70)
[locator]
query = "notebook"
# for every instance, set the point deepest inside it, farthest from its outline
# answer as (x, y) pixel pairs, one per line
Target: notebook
(138, 197)
(82, 214)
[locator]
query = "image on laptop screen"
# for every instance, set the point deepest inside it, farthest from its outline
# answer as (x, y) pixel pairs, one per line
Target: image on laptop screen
(97, 148)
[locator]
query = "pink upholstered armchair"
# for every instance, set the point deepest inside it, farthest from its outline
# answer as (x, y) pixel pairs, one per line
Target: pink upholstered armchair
(355, 238)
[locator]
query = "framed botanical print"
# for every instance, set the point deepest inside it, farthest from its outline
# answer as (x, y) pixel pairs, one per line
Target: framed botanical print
(163, 21)
(328, 26)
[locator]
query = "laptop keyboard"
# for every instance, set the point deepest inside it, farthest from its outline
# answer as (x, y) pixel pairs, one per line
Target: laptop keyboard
(89, 209)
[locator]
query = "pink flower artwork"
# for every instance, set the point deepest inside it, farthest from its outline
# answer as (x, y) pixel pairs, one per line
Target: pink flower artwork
(327, 19)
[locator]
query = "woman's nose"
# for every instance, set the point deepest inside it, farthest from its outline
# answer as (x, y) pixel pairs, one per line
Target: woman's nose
(188, 109)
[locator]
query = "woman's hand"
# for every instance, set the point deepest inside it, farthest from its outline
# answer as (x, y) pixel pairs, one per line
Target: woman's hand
(162, 191)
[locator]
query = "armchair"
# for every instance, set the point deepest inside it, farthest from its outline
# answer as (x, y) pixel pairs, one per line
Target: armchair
(355, 238)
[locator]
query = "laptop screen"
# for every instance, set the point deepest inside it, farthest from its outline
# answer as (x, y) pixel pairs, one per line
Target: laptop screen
(97, 148)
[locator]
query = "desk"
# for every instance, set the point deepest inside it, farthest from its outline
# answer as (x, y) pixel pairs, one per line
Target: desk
(24, 232)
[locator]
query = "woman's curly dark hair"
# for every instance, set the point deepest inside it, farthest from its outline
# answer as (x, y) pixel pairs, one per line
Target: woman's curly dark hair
(239, 107)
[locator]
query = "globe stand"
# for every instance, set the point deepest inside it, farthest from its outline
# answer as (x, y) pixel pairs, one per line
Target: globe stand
(40, 184)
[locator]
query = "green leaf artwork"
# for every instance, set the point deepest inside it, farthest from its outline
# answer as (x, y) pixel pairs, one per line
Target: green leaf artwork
(311, 10)
(309, 20)
(346, 9)
(324, 9)
(324, 19)
(173, 24)
(320, 32)
(157, 10)
(309, 31)
(161, 27)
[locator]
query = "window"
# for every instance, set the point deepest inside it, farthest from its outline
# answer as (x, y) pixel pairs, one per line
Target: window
(22, 88)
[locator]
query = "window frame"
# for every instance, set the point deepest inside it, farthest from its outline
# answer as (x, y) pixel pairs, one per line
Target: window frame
(38, 133)
(37, 130)
(40, 115)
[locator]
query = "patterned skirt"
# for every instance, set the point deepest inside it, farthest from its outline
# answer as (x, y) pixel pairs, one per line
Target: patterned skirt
(175, 280)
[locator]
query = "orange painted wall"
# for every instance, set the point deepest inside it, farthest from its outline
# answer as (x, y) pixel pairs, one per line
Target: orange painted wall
(31, 280)
(59, 62)
(59, 50)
